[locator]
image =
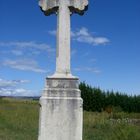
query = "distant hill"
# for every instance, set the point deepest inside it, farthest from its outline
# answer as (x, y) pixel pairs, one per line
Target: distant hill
(22, 97)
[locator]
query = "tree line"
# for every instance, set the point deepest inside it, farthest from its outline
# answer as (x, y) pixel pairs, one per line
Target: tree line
(96, 99)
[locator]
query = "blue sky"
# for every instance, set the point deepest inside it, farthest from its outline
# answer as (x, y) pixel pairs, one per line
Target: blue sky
(105, 46)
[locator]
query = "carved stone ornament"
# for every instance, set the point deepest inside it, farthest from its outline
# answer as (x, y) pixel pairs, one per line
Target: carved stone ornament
(75, 6)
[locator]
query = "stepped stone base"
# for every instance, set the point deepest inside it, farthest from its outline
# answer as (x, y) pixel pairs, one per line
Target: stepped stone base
(61, 111)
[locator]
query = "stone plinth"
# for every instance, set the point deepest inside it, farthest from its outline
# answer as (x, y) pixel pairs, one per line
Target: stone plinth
(61, 111)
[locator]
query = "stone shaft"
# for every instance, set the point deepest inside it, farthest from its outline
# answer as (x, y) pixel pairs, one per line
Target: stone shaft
(63, 40)
(61, 113)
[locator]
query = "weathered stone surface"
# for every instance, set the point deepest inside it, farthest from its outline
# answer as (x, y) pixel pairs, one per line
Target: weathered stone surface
(61, 111)
(64, 8)
(78, 6)
(63, 42)
(51, 6)
(62, 83)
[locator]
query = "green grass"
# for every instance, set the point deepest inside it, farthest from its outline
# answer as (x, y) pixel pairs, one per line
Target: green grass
(99, 126)
(19, 121)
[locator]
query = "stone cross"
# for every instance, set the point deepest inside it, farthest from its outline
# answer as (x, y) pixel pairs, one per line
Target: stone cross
(63, 8)
(61, 105)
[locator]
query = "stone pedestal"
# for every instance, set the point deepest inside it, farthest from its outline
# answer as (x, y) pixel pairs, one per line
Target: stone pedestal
(61, 111)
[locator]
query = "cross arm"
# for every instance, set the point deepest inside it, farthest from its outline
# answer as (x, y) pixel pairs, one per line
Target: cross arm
(51, 6)
(78, 6)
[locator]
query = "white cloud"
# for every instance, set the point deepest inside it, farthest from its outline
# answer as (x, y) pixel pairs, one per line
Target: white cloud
(5, 92)
(89, 69)
(11, 83)
(83, 35)
(31, 47)
(53, 32)
(24, 64)
(12, 88)
(24, 92)
(17, 92)
(82, 32)
(17, 52)
(30, 44)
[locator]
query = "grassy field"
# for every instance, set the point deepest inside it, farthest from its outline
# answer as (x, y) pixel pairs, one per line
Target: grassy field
(19, 121)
